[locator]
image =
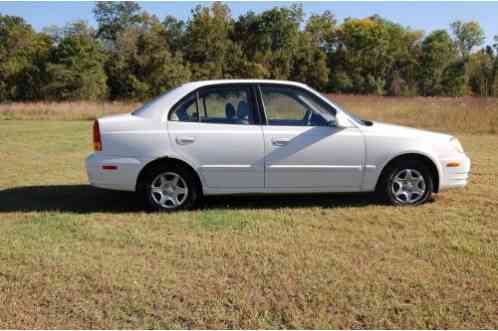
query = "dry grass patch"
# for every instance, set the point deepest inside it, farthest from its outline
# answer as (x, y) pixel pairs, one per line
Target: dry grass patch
(63, 111)
(462, 115)
(77, 257)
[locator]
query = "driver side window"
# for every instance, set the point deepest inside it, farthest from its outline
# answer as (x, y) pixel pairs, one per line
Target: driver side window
(291, 107)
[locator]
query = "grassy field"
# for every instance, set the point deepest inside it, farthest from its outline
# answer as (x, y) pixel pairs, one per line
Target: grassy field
(76, 257)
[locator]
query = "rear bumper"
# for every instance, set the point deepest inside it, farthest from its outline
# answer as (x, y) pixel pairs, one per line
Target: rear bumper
(455, 177)
(121, 173)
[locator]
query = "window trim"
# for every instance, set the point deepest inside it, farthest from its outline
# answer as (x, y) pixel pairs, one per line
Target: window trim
(252, 99)
(261, 106)
(295, 88)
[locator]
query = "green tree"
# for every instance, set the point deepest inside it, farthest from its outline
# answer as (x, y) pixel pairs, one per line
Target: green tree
(132, 54)
(453, 79)
(467, 36)
(480, 71)
(75, 67)
(374, 55)
(23, 53)
(113, 17)
(402, 54)
(493, 51)
(57, 33)
(175, 31)
(270, 40)
(310, 63)
(361, 60)
(437, 53)
(208, 41)
(321, 29)
(316, 43)
(143, 66)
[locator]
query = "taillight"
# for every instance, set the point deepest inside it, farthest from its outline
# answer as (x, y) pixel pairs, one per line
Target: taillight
(97, 141)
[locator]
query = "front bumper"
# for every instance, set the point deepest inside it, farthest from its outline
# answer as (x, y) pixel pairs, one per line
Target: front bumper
(121, 173)
(454, 177)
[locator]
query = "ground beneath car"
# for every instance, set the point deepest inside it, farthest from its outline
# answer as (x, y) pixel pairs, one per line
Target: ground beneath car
(76, 257)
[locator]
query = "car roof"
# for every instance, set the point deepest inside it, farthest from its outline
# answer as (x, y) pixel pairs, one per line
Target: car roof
(202, 83)
(156, 107)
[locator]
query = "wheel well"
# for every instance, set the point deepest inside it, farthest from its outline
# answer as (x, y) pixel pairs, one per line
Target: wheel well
(170, 162)
(413, 156)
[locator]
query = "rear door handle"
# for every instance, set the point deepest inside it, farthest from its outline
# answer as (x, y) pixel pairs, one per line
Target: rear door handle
(184, 140)
(280, 141)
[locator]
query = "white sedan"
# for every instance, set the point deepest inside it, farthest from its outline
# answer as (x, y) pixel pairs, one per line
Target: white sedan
(263, 137)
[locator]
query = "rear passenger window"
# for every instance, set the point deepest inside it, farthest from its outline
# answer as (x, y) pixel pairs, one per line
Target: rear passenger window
(219, 105)
(226, 105)
(186, 111)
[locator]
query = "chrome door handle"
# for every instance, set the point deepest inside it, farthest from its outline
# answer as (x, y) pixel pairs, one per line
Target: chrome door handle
(280, 141)
(184, 140)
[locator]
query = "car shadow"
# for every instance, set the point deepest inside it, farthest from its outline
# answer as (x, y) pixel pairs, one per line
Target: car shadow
(66, 198)
(87, 199)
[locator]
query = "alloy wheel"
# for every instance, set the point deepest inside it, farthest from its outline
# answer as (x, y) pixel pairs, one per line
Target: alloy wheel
(408, 186)
(169, 190)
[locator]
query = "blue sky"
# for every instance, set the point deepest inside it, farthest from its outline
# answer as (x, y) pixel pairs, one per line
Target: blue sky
(425, 16)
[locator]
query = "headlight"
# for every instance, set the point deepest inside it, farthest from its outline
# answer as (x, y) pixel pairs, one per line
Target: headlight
(456, 144)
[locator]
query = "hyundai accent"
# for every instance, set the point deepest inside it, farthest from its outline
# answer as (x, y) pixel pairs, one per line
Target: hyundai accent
(262, 137)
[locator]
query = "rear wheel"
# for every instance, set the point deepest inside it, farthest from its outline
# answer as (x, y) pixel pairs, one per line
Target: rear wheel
(169, 189)
(407, 183)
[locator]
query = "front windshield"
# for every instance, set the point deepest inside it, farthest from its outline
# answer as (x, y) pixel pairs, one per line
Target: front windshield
(356, 119)
(315, 104)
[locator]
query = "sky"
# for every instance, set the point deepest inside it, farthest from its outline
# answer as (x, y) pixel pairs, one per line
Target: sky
(426, 16)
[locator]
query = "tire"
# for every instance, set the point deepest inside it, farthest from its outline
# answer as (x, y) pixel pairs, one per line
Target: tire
(406, 183)
(168, 189)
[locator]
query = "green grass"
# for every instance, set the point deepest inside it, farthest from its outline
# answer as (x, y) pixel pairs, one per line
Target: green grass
(76, 257)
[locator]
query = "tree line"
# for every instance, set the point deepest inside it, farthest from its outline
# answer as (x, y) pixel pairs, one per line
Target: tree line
(133, 55)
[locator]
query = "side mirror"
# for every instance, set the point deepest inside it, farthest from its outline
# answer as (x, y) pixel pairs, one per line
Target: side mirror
(334, 123)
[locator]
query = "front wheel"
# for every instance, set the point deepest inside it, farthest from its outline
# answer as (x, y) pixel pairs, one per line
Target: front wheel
(407, 183)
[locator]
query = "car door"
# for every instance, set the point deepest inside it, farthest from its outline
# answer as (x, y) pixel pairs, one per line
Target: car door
(217, 128)
(306, 151)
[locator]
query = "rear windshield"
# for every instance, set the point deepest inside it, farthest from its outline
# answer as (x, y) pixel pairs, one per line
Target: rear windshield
(142, 111)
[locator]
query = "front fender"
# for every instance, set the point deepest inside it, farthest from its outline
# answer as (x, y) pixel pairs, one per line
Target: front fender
(377, 160)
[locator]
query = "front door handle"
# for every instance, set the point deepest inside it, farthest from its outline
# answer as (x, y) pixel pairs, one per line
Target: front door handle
(184, 140)
(280, 141)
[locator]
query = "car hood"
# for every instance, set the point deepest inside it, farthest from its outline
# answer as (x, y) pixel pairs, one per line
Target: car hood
(406, 132)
